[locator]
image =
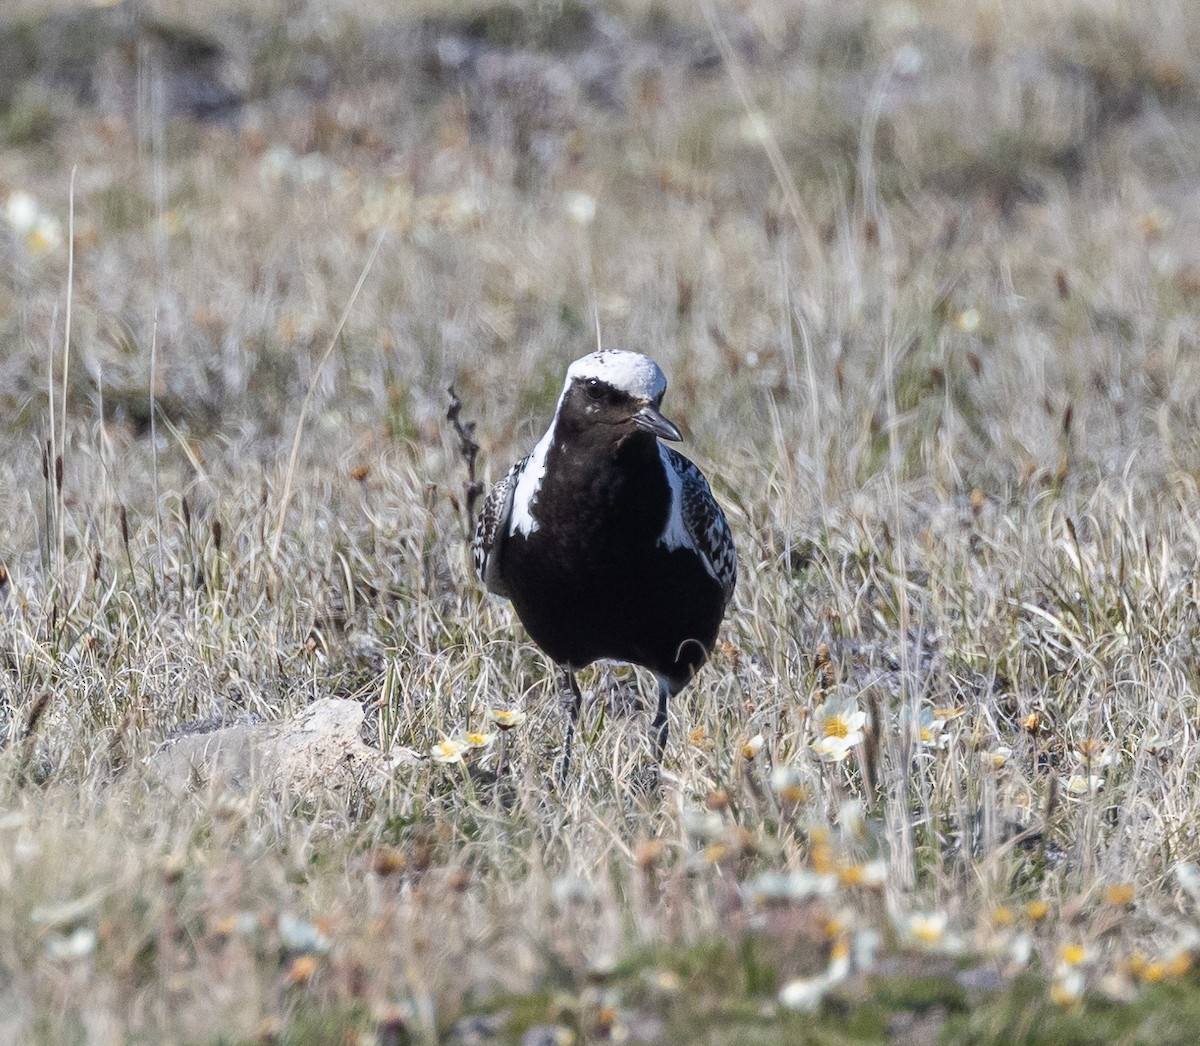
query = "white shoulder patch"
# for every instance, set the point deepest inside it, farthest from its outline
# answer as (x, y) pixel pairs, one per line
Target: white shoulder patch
(676, 533)
(529, 481)
(696, 520)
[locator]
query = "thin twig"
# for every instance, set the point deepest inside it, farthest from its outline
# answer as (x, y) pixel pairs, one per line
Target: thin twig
(468, 450)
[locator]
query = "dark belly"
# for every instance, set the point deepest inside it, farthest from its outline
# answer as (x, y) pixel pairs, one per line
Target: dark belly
(635, 602)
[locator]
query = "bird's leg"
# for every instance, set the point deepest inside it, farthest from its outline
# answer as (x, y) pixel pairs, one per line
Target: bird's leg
(658, 729)
(574, 699)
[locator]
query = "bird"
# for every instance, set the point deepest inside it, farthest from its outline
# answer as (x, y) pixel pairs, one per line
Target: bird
(608, 543)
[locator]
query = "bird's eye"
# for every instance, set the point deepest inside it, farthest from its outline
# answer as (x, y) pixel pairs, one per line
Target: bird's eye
(594, 388)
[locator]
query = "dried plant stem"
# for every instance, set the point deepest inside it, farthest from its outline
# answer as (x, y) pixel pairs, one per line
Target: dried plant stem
(286, 495)
(158, 529)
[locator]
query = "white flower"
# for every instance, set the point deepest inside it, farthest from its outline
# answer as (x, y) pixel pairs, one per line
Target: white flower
(852, 819)
(1080, 784)
(931, 729)
(1116, 987)
(775, 887)
(703, 825)
(863, 946)
(926, 929)
(449, 751)
(967, 321)
(789, 783)
(1020, 950)
(752, 747)
(837, 726)
(42, 232)
(804, 994)
(21, 212)
(568, 890)
(478, 739)
(300, 935)
(1188, 876)
(580, 207)
(1067, 986)
(997, 758)
(755, 128)
(78, 944)
(506, 718)
(872, 873)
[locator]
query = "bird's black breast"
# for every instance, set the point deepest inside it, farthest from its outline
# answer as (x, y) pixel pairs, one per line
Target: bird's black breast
(592, 579)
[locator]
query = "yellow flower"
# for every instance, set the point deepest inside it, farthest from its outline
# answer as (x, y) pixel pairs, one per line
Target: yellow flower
(823, 860)
(837, 727)
(1036, 911)
(752, 747)
(1072, 954)
(1174, 964)
(716, 852)
(1179, 963)
(449, 751)
(872, 873)
(506, 718)
(1119, 894)
(302, 969)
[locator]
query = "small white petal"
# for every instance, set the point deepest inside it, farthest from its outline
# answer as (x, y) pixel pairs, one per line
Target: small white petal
(803, 994)
(580, 207)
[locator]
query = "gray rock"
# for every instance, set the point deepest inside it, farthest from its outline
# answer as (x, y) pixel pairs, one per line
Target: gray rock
(318, 749)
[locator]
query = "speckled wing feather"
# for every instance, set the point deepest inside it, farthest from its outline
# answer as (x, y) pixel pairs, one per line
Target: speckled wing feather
(491, 529)
(705, 523)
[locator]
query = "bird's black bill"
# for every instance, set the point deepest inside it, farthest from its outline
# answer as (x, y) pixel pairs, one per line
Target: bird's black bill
(648, 419)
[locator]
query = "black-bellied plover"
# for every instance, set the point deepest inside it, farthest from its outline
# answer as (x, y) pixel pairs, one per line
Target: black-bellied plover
(610, 544)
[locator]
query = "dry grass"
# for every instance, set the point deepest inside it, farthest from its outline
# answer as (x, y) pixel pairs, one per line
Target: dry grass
(936, 345)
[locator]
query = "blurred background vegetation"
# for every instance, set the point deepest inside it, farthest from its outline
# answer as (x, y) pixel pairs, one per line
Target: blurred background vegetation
(924, 279)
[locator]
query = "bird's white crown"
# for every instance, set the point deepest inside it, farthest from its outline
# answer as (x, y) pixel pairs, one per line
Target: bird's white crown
(631, 372)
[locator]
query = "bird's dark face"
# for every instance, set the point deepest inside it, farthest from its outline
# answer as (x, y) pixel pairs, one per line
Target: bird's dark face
(599, 410)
